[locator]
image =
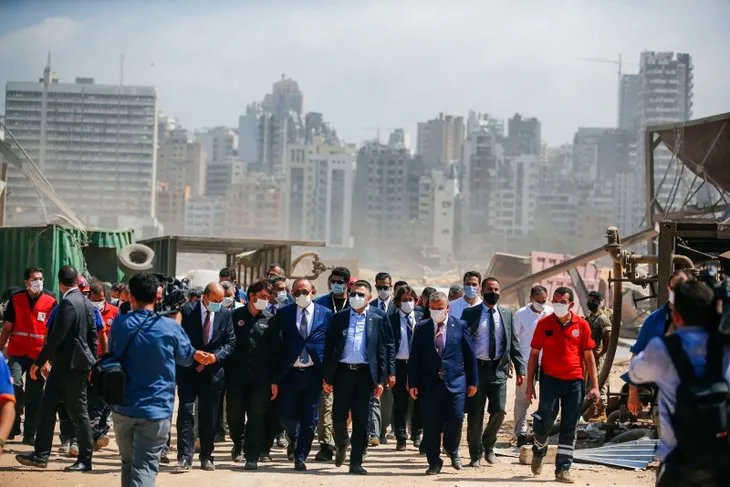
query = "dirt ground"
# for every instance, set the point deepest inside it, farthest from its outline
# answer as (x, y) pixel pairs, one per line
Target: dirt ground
(385, 467)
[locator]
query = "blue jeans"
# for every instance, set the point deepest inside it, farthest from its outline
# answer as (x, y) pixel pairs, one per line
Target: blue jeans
(568, 396)
(140, 442)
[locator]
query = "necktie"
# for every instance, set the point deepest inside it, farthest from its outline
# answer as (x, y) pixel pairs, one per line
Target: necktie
(206, 328)
(382, 305)
(440, 340)
(304, 356)
(409, 324)
(492, 335)
(272, 309)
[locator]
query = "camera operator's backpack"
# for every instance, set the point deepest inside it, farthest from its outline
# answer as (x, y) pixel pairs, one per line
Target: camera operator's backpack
(107, 374)
(701, 419)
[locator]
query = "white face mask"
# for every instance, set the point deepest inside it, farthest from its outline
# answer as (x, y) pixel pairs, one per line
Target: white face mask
(281, 296)
(260, 304)
(36, 286)
(671, 297)
(303, 300)
(539, 307)
(561, 309)
(407, 306)
(384, 295)
(227, 302)
(357, 302)
(439, 315)
(98, 304)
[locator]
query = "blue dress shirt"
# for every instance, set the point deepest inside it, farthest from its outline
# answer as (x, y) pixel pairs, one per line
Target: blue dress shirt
(356, 344)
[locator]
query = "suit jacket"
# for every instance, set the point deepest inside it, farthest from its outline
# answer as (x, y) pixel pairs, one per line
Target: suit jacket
(394, 321)
(253, 357)
(222, 343)
(377, 343)
(458, 364)
(289, 341)
(74, 318)
(473, 316)
(389, 310)
(326, 301)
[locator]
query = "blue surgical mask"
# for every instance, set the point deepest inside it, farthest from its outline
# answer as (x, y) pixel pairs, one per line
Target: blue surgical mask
(337, 288)
(214, 307)
(470, 291)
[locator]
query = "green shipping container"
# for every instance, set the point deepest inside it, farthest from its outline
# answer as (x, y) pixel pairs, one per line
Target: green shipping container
(92, 253)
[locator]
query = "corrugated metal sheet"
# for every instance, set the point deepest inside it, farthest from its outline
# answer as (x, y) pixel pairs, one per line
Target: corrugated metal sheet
(51, 247)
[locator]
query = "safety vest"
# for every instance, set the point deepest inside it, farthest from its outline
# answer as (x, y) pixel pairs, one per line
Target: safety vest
(107, 317)
(29, 328)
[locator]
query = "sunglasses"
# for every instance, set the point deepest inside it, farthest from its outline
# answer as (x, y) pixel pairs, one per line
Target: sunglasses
(333, 281)
(355, 294)
(382, 288)
(301, 292)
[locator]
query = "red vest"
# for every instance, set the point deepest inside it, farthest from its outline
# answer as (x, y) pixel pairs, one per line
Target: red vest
(29, 328)
(107, 317)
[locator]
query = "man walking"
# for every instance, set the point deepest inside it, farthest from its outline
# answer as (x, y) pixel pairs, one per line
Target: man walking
(71, 346)
(355, 369)
(442, 372)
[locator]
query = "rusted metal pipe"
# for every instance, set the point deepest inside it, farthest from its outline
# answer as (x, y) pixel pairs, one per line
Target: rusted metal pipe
(642, 259)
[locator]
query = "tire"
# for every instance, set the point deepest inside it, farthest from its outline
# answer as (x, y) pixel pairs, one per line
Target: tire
(631, 435)
(136, 258)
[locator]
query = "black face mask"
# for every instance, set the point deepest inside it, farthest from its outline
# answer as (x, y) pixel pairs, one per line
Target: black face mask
(491, 298)
(593, 306)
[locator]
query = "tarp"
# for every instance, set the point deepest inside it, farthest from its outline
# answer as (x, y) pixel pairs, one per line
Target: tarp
(693, 141)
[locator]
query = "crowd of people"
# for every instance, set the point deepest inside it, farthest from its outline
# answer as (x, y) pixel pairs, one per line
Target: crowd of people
(278, 364)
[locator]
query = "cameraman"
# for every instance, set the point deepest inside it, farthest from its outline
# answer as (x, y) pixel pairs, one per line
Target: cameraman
(692, 316)
(142, 421)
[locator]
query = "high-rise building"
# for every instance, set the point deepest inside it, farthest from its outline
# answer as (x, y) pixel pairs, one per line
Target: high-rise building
(220, 145)
(436, 212)
(440, 141)
(628, 108)
(380, 205)
(96, 145)
(524, 135)
(285, 97)
(665, 96)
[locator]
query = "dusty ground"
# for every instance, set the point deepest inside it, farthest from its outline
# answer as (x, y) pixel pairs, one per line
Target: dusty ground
(384, 464)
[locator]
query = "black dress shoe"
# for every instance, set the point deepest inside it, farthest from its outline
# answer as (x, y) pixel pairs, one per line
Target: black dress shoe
(456, 462)
(281, 441)
(79, 466)
(475, 462)
(358, 470)
(434, 469)
(164, 459)
(401, 445)
(340, 456)
(237, 453)
(324, 454)
(251, 465)
(182, 466)
(207, 465)
(490, 458)
(300, 466)
(383, 440)
(521, 441)
(31, 460)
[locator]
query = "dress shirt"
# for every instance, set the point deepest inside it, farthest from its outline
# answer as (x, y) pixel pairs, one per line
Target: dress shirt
(457, 306)
(655, 365)
(356, 343)
(436, 330)
(203, 311)
(383, 305)
(404, 348)
(69, 292)
(310, 316)
(525, 322)
(482, 336)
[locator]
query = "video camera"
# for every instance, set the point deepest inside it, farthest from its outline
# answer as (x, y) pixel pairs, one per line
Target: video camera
(174, 295)
(720, 285)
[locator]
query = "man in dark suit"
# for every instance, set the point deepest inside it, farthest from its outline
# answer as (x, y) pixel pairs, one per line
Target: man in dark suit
(442, 373)
(210, 329)
(495, 345)
(71, 346)
(355, 369)
(300, 330)
(402, 324)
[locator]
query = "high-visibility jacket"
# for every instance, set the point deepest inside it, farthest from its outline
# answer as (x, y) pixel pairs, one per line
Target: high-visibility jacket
(29, 327)
(107, 316)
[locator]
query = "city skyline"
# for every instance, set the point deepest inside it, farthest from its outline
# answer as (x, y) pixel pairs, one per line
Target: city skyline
(348, 81)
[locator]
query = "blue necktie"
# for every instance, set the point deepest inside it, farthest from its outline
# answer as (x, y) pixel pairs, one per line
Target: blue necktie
(304, 356)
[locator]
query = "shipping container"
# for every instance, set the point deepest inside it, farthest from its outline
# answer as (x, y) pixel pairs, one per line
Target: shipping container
(93, 252)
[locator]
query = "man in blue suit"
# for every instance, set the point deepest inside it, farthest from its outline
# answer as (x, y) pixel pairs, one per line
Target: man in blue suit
(356, 368)
(301, 330)
(442, 372)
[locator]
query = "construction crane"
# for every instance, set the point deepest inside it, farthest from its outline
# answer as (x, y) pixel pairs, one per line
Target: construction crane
(618, 63)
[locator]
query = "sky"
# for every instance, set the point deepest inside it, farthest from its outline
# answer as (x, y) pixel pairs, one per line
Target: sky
(377, 63)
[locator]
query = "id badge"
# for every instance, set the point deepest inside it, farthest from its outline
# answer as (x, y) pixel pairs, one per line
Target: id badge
(41, 316)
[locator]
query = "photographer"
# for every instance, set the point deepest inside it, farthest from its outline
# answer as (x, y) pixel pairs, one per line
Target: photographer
(682, 436)
(142, 421)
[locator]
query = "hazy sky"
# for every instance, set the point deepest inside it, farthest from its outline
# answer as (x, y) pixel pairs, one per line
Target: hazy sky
(366, 63)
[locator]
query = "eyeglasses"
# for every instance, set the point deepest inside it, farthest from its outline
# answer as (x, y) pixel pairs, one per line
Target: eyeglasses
(301, 292)
(355, 294)
(382, 288)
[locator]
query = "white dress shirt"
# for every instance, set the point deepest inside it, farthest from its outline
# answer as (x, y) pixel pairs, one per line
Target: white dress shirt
(203, 311)
(310, 315)
(457, 306)
(482, 336)
(404, 348)
(525, 322)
